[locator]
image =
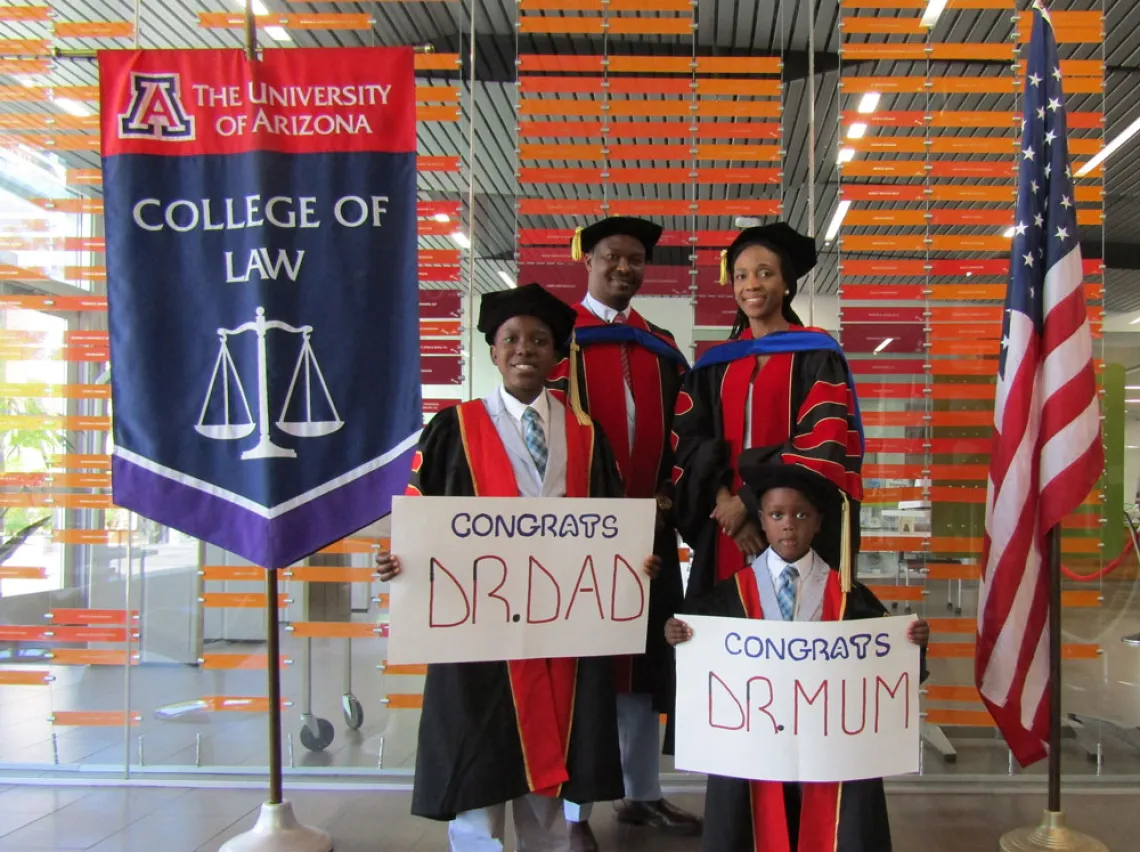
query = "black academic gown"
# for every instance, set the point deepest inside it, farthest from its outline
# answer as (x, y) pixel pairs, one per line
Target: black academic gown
(705, 462)
(653, 672)
(863, 822)
(469, 752)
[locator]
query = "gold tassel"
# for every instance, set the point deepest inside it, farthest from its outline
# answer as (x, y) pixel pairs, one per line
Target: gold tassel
(576, 245)
(723, 267)
(575, 395)
(845, 548)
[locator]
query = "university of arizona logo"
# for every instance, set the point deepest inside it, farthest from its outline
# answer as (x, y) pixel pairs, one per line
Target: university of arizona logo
(156, 110)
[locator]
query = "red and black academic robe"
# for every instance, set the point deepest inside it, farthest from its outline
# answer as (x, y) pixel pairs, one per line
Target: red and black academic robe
(770, 816)
(656, 371)
(494, 731)
(803, 402)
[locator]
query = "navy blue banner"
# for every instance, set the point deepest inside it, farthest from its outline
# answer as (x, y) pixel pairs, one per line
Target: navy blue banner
(262, 288)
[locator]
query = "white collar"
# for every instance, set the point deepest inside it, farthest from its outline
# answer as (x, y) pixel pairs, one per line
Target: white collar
(603, 312)
(516, 409)
(776, 564)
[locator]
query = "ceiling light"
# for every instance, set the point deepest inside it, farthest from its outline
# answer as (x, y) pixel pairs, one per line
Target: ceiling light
(508, 279)
(278, 33)
(79, 110)
(869, 103)
(1133, 401)
(836, 221)
(857, 130)
(933, 12)
(1132, 387)
(1107, 151)
(461, 240)
(969, 274)
(259, 8)
(846, 155)
(1009, 232)
(1135, 321)
(441, 217)
(884, 345)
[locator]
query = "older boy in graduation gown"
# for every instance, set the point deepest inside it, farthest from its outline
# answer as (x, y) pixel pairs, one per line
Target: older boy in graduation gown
(530, 732)
(789, 581)
(626, 372)
(774, 384)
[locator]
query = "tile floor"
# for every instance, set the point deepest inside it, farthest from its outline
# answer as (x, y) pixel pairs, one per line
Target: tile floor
(103, 819)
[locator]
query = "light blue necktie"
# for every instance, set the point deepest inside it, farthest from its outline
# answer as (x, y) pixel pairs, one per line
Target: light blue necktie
(535, 440)
(786, 592)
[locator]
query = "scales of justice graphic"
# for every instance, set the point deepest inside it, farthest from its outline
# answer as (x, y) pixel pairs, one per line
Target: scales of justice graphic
(225, 374)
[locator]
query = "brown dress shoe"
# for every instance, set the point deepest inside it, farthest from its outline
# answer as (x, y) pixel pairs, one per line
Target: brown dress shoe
(661, 815)
(582, 838)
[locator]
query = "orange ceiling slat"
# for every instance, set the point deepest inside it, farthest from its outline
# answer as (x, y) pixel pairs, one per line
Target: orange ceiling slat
(884, 218)
(322, 21)
(25, 13)
(93, 29)
(883, 243)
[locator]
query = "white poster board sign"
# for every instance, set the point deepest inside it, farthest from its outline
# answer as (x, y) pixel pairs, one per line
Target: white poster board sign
(798, 701)
(513, 578)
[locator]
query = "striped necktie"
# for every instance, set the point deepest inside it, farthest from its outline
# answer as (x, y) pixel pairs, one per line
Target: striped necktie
(626, 372)
(786, 592)
(535, 440)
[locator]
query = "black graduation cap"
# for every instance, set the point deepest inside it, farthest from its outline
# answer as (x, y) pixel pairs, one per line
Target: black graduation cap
(531, 300)
(799, 250)
(762, 470)
(645, 232)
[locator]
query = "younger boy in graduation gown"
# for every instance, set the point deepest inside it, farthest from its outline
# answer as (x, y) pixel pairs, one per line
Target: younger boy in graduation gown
(790, 582)
(626, 373)
(531, 732)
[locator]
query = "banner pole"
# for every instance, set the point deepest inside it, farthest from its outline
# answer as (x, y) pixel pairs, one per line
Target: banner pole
(1052, 835)
(273, 662)
(1053, 563)
(250, 32)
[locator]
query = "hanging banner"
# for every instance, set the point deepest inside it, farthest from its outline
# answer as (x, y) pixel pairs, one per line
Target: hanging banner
(263, 309)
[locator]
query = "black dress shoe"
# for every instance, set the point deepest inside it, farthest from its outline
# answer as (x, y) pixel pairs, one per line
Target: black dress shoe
(582, 838)
(661, 815)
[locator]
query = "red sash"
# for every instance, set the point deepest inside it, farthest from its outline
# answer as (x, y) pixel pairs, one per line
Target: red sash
(819, 813)
(603, 387)
(771, 424)
(543, 690)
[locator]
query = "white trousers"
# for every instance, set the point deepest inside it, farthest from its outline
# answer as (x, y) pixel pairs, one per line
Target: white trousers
(538, 827)
(639, 735)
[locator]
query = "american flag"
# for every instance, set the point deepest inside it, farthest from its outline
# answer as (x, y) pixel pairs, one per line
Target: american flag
(1047, 452)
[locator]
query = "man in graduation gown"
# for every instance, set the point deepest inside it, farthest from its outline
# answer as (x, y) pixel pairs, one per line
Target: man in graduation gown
(531, 732)
(626, 372)
(790, 581)
(774, 384)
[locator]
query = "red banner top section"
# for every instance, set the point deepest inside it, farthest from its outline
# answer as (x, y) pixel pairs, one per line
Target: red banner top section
(299, 101)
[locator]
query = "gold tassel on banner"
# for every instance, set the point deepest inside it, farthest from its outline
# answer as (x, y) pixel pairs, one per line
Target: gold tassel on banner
(576, 245)
(845, 548)
(723, 267)
(574, 395)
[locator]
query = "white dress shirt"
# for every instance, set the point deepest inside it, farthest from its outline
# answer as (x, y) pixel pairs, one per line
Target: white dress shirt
(607, 315)
(517, 409)
(809, 584)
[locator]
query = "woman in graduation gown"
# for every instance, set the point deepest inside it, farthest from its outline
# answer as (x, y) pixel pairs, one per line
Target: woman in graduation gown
(774, 383)
(530, 732)
(766, 816)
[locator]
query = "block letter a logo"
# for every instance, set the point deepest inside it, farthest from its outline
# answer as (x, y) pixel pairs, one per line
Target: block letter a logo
(156, 110)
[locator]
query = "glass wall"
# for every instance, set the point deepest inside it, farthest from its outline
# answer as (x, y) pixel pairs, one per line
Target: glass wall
(127, 647)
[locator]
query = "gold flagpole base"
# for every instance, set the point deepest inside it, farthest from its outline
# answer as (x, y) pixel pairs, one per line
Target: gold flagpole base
(1052, 835)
